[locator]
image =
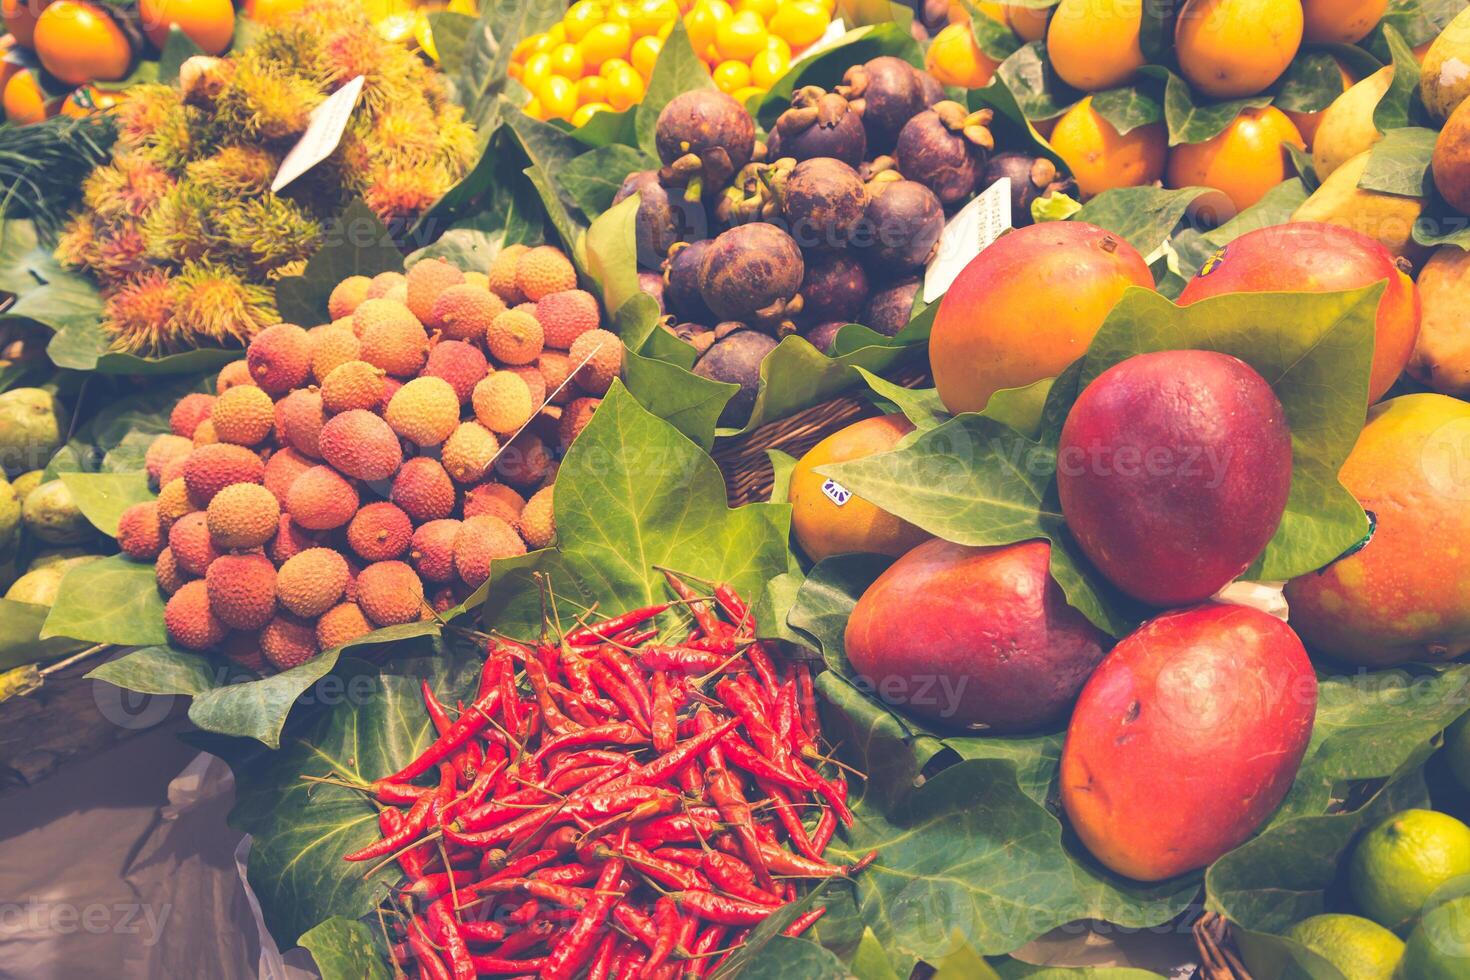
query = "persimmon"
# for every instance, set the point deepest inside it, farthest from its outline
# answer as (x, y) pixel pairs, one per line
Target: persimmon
(1100, 157)
(955, 59)
(1307, 122)
(25, 101)
(1095, 46)
(80, 43)
(1340, 21)
(1029, 23)
(208, 23)
(1241, 163)
(89, 99)
(1232, 48)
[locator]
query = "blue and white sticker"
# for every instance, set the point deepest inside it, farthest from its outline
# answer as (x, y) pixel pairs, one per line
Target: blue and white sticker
(836, 492)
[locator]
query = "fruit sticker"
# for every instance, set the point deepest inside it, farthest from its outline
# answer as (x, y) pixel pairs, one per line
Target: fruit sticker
(1213, 262)
(836, 492)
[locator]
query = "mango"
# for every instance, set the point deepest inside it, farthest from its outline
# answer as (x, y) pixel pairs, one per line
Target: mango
(1451, 160)
(1173, 471)
(1405, 595)
(970, 637)
(1387, 217)
(1186, 739)
(1441, 358)
(1444, 74)
(1347, 126)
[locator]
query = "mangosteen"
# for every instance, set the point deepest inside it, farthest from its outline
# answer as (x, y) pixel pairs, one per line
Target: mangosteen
(822, 200)
(751, 273)
(704, 137)
(652, 283)
(933, 90)
(900, 229)
(681, 281)
(822, 335)
(820, 124)
(662, 220)
(736, 359)
(890, 309)
(835, 287)
(748, 198)
(697, 335)
(1031, 177)
(945, 149)
(888, 93)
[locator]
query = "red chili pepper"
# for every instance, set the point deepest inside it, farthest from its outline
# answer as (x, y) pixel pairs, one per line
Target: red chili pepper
(618, 693)
(684, 828)
(701, 950)
(783, 862)
(566, 896)
(705, 722)
(616, 733)
(822, 835)
(697, 606)
(804, 922)
(680, 659)
(482, 932)
(585, 636)
(785, 717)
(741, 754)
(387, 791)
(752, 714)
(791, 820)
(725, 645)
(437, 714)
(496, 966)
(574, 778)
(663, 721)
(581, 759)
(681, 755)
(429, 963)
(565, 874)
(734, 876)
(469, 723)
(807, 701)
(718, 908)
(832, 790)
(634, 637)
(734, 607)
(770, 682)
(666, 874)
(725, 791)
(412, 826)
(576, 947)
(637, 924)
(553, 716)
(601, 967)
(510, 700)
(443, 924)
(629, 673)
(666, 932)
(433, 886)
(496, 811)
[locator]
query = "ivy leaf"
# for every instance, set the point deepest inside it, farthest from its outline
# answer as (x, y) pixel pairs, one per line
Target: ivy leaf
(102, 497)
(344, 949)
(995, 40)
(20, 628)
(1194, 119)
(686, 401)
(1274, 208)
(1143, 216)
(357, 244)
(593, 178)
(483, 77)
(1156, 29)
(111, 600)
(1310, 84)
(1029, 77)
(1394, 109)
(1399, 163)
(677, 70)
(159, 670)
(1440, 224)
(1420, 21)
(1129, 107)
(921, 406)
(827, 67)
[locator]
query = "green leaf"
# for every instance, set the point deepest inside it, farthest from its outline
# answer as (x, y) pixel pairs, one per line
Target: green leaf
(612, 260)
(103, 497)
(483, 78)
(1156, 29)
(1011, 969)
(112, 600)
(1394, 109)
(677, 70)
(686, 401)
(1129, 107)
(994, 39)
(1301, 162)
(20, 643)
(593, 178)
(1275, 208)
(550, 151)
(160, 670)
(357, 244)
(1029, 77)
(1143, 216)
(177, 49)
(1420, 21)
(344, 949)
(632, 493)
(1020, 408)
(780, 958)
(451, 31)
(1440, 224)
(1281, 876)
(61, 301)
(1399, 163)
(1194, 119)
(1311, 82)
(920, 406)
(827, 67)
(1278, 956)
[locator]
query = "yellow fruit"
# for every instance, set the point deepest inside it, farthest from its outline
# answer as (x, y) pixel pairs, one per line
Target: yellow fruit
(1441, 358)
(1444, 80)
(542, 270)
(272, 13)
(208, 23)
(703, 22)
(624, 87)
(584, 114)
(742, 37)
(1307, 123)
(1243, 162)
(536, 71)
(1029, 23)
(1232, 48)
(243, 515)
(424, 411)
(1095, 46)
(78, 43)
(1358, 947)
(347, 295)
(502, 402)
(538, 523)
(502, 273)
(392, 338)
(243, 416)
(799, 23)
(1387, 217)
(82, 102)
(591, 89)
(1347, 128)
(603, 42)
(1451, 161)
(356, 384)
(469, 452)
(767, 67)
(731, 76)
(581, 17)
(566, 61)
(955, 59)
(26, 102)
(558, 97)
(1340, 21)
(644, 55)
(648, 16)
(515, 337)
(331, 347)
(1100, 158)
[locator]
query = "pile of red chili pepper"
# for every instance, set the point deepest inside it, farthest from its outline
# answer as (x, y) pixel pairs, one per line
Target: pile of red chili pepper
(610, 805)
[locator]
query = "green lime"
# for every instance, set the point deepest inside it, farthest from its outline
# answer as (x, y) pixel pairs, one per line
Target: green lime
(1360, 948)
(1404, 861)
(1457, 750)
(1439, 946)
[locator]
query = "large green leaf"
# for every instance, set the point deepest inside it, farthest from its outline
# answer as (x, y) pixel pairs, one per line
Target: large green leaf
(1275, 208)
(1398, 104)
(1420, 21)
(1399, 163)
(1312, 81)
(593, 178)
(112, 600)
(1029, 76)
(102, 497)
(632, 493)
(1192, 118)
(20, 628)
(343, 949)
(549, 150)
(1144, 216)
(994, 39)
(1129, 107)
(356, 244)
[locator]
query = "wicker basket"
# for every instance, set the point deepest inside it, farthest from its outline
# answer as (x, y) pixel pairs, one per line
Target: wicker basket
(1218, 957)
(743, 460)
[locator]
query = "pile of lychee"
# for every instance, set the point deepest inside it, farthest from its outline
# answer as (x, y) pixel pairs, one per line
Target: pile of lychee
(366, 472)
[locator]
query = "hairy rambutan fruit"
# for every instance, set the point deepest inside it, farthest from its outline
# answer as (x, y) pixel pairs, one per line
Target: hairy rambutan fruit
(243, 416)
(321, 499)
(139, 312)
(356, 384)
(189, 620)
(361, 445)
(424, 411)
(341, 624)
(192, 409)
(544, 270)
(432, 550)
(311, 582)
(242, 590)
(423, 489)
(502, 402)
(483, 539)
(514, 338)
(235, 171)
(390, 592)
(464, 312)
(379, 531)
(459, 363)
(214, 304)
(564, 316)
(210, 468)
(140, 531)
(243, 515)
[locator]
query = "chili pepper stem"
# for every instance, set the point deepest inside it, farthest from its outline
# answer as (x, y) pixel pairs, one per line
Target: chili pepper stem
(431, 836)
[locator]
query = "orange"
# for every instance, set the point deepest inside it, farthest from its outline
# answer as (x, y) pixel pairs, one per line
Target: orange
(80, 43)
(955, 59)
(89, 99)
(208, 23)
(1100, 158)
(1307, 122)
(1094, 45)
(1242, 162)
(20, 18)
(1029, 23)
(1340, 21)
(26, 102)
(1232, 48)
(271, 12)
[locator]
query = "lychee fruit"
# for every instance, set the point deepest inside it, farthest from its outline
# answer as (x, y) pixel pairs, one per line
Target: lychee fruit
(566, 315)
(163, 450)
(432, 550)
(301, 417)
(382, 283)
(502, 274)
(574, 419)
(389, 593)
(525, 462)
(279, 358)
(379, 531)
(391, 337)
(424, 411)
(211, 468)
(483, 539)
(341, 624)
(188, 619)
(232, 375)
(502, 402)
(423, 489)
(538, 524)
(469, 452)
(167, 573)
(282, 469)
(331, 346)
(243, 416)
(291, 540)
(288, 641)
(544, 270)
(192, 409)
(245, 515)
(555, 368)
(242, 590)
(356, 384)
(531, 375)
(311, 582)
(361, 445)
(321, 499)
(600, 354)
(426, 280)
(496, 500)
(464, 312)
(140, 532)
(204, 434)
(514, 338)
(174, 502)
(346, 296)
(459, 363)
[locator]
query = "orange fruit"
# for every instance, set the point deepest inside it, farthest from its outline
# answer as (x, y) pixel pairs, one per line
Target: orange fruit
(1340, 21)
(89, 99)
(20, 18)
(1029, 23)
(208, 23)
(1307, 122)
(1242, 162)
(955, 59)
(25, 101)
(1232, 48)
(9, 66)
(1095, 46)
(80, 43)
(1100, 157)
(272, 12)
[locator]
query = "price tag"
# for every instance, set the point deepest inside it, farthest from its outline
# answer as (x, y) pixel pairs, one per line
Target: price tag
(836, 492)
(973, 228)
(328, 123)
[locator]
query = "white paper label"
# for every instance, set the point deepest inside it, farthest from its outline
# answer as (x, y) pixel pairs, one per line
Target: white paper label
(973, 228)
(830, 36)
(1268, 597)
(323, 133)
(836, 492)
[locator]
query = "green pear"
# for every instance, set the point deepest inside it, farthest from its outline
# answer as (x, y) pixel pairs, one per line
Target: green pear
(1389, 218)
(1347, 126)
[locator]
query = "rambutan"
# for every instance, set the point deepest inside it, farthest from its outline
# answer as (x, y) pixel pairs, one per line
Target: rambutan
(214, 304)
(139, 312)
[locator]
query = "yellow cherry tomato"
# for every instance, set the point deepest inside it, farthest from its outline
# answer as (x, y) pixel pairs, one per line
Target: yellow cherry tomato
(584, 114)
(557, 32)
(521, 51)
(536, 71)
(645, 54)
(742, 37)
(591, 89)
(605, 41)
(534, 110)
(650, 15)
(743, 95)
(768, 66)
(703, 22)
(730, 76)
(763, 7)
(774, 43)
(558, 97)
(624, 87)
(666, 30)
(799, 22)
(581, 17)
(566, 60)
(612, 65)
